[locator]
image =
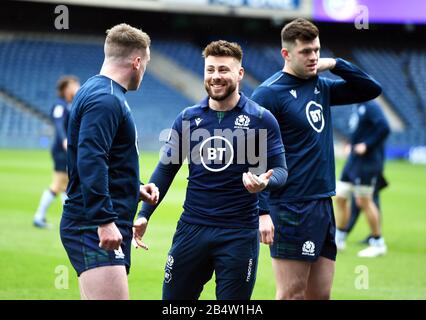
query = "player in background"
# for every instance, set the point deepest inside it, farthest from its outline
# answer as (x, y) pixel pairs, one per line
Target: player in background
(234, 150)
(381, 184)
(103, 167)
(304, 250)
(362, 173)
(67, 87)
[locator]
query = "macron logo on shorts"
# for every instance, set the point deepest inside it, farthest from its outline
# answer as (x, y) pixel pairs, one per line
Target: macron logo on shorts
(308, 249)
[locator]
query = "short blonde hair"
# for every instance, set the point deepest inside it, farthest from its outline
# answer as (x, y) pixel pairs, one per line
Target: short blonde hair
(123, 39)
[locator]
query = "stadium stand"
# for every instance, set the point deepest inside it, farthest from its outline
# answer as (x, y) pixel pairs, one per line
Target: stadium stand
(188, 55)
(400, 76)
(417, 73)
(30, 68)
(21, 129)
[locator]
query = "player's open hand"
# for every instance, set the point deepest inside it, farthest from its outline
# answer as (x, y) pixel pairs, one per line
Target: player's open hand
(139, 228)
(325, 64)
(266, 229)
(255, 183)
(149, 193)
(110, 237)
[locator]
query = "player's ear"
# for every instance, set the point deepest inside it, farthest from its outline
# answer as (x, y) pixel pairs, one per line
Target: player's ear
(285, 53)
(136, 64)
(241, 74)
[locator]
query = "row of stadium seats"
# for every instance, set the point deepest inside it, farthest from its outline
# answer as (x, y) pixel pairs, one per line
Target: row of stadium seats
(402, 75)
(388, 67)
(417, 72)
(30, 69)
(20, 128)
(188, 56)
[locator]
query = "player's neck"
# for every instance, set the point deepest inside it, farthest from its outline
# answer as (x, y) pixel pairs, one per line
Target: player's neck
(116, 74)
(289, 70)
(225, 105)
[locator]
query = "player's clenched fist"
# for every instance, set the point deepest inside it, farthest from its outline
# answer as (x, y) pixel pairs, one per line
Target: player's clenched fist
(149, 193)
(266, 229)
(325, 64)
(109, 236)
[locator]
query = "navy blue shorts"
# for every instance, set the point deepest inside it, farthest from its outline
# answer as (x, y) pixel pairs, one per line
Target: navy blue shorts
(82, 246)
(362, 175)
(304, 230)
(59, 160)
(198, 250)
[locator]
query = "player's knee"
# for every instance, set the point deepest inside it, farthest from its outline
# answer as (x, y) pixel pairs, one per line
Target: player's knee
(54, 188)
(290, 295)
(63, 187)
(362, 202)
(293, 292)
(318, 295)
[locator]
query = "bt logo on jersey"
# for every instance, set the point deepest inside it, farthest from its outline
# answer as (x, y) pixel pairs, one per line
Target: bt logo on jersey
(216, 150)
(212, 153)
(216, 154)
(314, 114)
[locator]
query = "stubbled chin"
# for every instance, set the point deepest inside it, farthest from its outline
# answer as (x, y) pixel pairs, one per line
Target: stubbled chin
(312, 73)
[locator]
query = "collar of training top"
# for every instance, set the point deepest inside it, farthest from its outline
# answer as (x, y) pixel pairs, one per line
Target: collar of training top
(241, 103)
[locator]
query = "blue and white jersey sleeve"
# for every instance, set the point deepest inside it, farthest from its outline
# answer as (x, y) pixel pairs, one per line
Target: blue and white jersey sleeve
(98, 128)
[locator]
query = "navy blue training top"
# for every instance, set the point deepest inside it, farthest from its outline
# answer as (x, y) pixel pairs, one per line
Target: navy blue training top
(220, 146)
(370, 126)
(102, 156)
(302, 108)
(59, 114)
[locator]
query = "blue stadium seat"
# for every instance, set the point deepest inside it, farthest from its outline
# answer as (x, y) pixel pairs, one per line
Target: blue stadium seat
(30, 69)
(20, 129)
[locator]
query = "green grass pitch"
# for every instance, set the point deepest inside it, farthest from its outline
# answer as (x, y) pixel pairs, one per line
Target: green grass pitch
(32, 261)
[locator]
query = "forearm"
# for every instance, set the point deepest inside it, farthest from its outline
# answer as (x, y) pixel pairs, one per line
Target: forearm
(263, 198)
(93, 173)
(357, 86)
(279, 177)
(162, 177)
(276, 181)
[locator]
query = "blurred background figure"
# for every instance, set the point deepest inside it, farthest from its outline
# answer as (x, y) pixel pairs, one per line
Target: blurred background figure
(381, 184)
(67, 87)
(363, 174)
